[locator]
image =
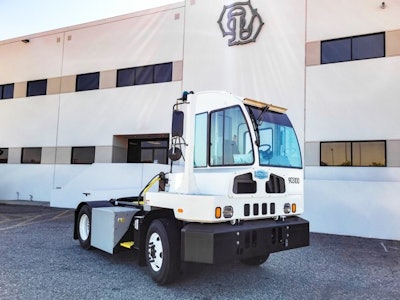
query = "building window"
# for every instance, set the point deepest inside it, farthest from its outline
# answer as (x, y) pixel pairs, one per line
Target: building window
(335, 51)
(368, 46)
(86, 82)
(353, 153)
(125, 77)
(31, 155)
(3, 155)
(353, 48)
(163, 73)
(144, 75)
(152, 150)
(82, 155)
(7, 91)
(36, 88)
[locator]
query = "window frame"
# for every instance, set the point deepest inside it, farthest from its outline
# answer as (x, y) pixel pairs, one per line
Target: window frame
(81, 85)
(83, 162)
(3, 151)
(352, 55)
(144, 75)
(160, 74)
(123, 73)
(23, 153)
(206, 147)
(351, 162)
(224, 162)
(3, 91)
(138, 158)
(36, 88)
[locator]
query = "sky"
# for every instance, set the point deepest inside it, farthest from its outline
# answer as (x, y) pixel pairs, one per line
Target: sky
(24, 17)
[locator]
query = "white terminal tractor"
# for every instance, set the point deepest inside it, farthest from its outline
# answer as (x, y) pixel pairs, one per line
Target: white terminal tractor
(233, 192)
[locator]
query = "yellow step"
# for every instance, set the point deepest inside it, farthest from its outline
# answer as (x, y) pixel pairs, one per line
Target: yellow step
(127, 245)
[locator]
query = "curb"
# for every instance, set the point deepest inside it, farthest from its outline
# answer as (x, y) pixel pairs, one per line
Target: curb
(24, 202)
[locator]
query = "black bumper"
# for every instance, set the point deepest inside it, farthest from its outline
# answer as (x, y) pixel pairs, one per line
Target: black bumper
(217, 243)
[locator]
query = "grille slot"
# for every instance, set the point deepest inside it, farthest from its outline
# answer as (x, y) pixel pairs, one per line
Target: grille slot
(275, 185)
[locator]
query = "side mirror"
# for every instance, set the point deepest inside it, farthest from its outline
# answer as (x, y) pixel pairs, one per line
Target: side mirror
(177, 123)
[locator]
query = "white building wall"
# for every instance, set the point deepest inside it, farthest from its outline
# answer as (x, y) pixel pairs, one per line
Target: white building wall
(40, 58)
(340, 18)
(353, 101)
(139, 39)
(31, 122)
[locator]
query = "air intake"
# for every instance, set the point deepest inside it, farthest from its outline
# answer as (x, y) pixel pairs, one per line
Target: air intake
(275, 185)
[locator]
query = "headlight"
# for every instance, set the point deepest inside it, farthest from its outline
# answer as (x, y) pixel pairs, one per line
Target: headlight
(228, 211)
(286, 208)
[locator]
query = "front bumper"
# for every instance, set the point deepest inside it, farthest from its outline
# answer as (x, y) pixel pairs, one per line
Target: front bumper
(216, 243)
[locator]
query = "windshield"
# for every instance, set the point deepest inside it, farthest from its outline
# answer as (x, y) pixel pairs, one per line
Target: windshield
(278, 145)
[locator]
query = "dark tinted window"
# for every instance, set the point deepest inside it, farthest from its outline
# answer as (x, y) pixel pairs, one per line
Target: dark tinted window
(335, 51)
(148, 150)
(82, 155)
(86, 82)
(126, 77)
(368, 46)
(36, 88)
(7, 91)
(163, 73)
(353, 48)
(31, 155)
(353, 153)
(3, 155)
(144, 75)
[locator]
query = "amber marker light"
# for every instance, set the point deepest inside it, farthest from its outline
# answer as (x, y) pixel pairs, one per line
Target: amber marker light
(218, 211)
(180, 210)
(294, 207)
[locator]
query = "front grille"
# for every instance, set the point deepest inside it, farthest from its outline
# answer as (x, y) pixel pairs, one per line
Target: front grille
(254, 210)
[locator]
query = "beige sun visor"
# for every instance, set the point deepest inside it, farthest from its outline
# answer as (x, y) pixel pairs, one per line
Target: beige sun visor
(262, 105)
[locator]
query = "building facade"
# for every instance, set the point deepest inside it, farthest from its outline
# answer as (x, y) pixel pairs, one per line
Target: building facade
(88, 107)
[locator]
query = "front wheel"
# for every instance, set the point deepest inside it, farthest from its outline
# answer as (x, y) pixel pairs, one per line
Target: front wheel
(255, 261)
(84, 226)
(162, 251)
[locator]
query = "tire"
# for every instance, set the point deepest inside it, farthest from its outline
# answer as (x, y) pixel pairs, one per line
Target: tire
(255, 261)
(163, 251)
(84, 226)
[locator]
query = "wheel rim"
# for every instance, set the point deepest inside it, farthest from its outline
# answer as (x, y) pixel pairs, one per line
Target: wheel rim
(155, 252)
(84, 227)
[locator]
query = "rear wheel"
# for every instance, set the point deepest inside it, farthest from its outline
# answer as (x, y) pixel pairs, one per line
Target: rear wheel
(84, 226)
(255, 261)
(162, 251)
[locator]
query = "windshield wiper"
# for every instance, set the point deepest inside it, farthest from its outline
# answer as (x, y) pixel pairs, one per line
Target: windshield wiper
(255, 126)
(261, 114)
